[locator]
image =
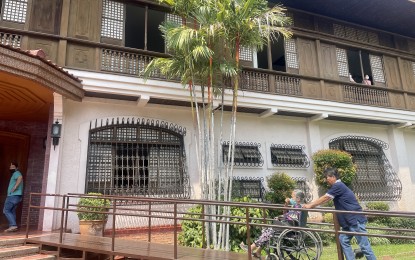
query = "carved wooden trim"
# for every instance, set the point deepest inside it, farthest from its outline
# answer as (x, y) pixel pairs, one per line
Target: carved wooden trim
(22, 64)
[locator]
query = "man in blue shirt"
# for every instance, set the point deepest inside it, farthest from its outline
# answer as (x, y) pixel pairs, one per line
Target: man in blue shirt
(14, 197)
(344, 199)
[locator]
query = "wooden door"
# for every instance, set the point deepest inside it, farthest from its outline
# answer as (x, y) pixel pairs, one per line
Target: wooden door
(13, 147)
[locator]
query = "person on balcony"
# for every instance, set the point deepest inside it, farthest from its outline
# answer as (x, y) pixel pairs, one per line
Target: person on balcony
(366, 80)
(351, 78)
(345, 200)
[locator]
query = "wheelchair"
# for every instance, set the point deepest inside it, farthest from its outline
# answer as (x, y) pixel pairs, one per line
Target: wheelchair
(293, 244)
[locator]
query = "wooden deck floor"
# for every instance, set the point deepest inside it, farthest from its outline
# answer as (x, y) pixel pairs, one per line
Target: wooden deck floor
(133, 249)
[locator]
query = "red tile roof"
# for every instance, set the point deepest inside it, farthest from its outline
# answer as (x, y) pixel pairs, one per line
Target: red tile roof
(41, 55)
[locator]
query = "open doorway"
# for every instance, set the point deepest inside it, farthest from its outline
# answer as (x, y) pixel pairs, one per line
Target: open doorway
(13, 147)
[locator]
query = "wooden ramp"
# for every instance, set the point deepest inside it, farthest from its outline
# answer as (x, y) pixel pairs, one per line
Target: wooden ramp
(128, 248)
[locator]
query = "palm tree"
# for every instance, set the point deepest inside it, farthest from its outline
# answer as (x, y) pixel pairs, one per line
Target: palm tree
(205, 50)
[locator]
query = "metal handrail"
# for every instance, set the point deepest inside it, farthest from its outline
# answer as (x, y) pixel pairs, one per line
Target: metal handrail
(177, 215)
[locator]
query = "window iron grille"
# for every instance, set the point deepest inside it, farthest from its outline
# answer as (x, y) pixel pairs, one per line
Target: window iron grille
(375, 179)
(177, 21)
(252, 187)
(303, 185)
(245, 154)
(137, 157)
(283, 155)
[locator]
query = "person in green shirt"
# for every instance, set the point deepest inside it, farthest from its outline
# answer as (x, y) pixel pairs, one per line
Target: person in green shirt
(14, 197)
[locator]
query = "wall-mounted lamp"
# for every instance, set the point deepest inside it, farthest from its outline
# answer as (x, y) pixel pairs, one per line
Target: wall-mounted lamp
(56, 133)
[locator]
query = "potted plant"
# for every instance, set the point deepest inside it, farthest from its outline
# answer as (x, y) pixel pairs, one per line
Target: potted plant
(93, 223)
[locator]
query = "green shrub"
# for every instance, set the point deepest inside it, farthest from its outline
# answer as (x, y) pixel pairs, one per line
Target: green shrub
(377, 240)
(280, 187)
(328, 218)
(341, 160)
(89, 204)
(326, 238)
(237, 233)
(380, 206)
(401, 223)
(191, 234)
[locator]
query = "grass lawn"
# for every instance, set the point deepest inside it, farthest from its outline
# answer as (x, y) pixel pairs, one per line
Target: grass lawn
(386, 252)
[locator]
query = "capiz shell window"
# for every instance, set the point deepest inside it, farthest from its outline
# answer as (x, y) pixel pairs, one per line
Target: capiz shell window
(14, 11)
(137, 157)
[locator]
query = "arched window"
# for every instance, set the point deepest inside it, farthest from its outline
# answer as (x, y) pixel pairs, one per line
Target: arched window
(376, 180)
(137, 158)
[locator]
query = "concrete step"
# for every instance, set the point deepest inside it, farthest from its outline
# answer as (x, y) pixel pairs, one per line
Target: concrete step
(36, 257)
(18, 241)
(18, 251)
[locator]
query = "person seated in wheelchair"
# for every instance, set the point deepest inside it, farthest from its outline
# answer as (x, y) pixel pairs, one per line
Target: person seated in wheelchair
(290, 218)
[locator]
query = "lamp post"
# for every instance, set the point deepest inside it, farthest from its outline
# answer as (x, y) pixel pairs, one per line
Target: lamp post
(56, 133)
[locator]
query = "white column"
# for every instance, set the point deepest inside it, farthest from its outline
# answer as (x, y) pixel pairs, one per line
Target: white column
(400, 164)
(315, 144)
(51, 186)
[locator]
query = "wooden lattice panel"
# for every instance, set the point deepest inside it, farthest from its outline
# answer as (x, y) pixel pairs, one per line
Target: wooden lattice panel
(342, 65)
(245, 53)
(377, 68)
(291, 54)
(112, 25)
(172, 18)
(15, 11)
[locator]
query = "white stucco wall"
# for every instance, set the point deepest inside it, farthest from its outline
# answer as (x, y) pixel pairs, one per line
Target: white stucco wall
(250, 128)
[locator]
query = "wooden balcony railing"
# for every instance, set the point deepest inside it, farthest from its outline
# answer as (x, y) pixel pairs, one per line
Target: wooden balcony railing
(117, 59)
(10, 39)
(275, 82)
(287, 85)
(126, 63)
(270, 83)
(255, 81)
(365, 95)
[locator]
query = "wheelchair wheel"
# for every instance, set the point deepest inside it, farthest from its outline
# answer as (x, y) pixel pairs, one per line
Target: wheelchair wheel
(298, 245)
(271, 257)
(319, 241)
